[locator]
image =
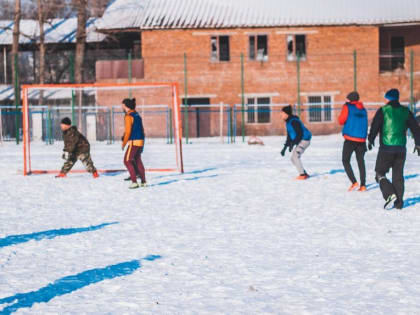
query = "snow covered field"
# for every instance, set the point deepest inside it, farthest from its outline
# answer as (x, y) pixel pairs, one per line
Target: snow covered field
(235, 234)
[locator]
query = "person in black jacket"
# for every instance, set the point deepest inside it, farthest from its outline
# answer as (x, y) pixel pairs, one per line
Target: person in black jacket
(297, 135)
(391, 122)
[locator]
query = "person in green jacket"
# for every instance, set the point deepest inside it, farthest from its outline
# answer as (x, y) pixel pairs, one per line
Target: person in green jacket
(391, 122)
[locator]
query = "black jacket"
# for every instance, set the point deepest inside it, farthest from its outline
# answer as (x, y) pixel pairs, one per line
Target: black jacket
(299, 133)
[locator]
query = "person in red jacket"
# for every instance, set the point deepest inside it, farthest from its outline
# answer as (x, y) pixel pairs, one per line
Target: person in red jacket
(134, 137)
(354, 118)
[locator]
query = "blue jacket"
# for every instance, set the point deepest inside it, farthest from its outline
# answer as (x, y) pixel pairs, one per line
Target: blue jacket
(296, 131)
(137, 130)
(355, 120)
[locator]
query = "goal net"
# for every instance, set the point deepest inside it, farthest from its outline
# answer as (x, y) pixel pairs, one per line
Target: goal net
(96, 111)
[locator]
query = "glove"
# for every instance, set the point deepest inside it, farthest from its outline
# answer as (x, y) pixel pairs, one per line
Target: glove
(283, 151)
(370, 145)
(65, 156)
(417, 148)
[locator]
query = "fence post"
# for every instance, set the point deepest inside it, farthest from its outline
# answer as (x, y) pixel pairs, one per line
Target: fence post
(298, 81)
(17, 97)
(412, 80)
(243, 97)
(221, 122)
(171, 136)
(130, 73)
(186, 99)
(355, 70)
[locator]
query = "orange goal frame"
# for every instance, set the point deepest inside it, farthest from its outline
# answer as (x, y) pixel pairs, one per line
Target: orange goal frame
(176, 117)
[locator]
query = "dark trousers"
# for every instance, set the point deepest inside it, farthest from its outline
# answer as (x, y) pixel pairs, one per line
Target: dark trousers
(360, 148)
(133, 163)
(395, 161)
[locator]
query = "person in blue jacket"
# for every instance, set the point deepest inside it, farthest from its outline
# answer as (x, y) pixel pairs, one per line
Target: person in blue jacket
(354, 118)
(298, 137)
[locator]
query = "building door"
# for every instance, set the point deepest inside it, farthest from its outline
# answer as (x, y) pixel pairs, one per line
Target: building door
(200, 116)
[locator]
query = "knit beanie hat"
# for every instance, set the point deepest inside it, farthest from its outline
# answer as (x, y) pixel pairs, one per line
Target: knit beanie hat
(287, 110)
(66, 121)
(353, 96)
(130, 103)
(392, 95)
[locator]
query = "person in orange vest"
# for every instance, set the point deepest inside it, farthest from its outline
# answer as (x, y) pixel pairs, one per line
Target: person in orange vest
(134, 137)
(354, 118)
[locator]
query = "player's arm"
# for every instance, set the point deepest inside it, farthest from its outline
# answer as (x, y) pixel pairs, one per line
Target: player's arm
(128, 123)
(376, 126)
(414, 128)
(70, 142)
(343, 115)
(299, 132)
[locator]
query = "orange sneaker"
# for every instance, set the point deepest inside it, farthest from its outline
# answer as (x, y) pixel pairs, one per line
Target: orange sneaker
(353, 187)
(95, 174)
(362, 188)
(302, 177)
(61, 175)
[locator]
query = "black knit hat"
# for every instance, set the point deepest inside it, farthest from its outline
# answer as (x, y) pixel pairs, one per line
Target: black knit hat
(353, 96)
(66, 121)
(287, 110)
(130, 103)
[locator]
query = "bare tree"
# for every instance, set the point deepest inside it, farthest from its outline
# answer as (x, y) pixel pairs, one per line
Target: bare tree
(41, 21)
(15, 45)
(80, 39)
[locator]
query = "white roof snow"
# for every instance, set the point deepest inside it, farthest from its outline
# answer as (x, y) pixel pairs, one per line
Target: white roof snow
(56, 31)
(164, 14)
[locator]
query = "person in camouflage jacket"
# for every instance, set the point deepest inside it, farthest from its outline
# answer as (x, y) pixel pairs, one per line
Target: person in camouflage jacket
(76, 147)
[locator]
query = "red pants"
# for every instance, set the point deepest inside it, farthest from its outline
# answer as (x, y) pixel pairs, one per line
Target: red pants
(132, 160)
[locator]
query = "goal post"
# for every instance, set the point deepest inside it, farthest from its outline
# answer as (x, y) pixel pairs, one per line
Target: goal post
(96, 111)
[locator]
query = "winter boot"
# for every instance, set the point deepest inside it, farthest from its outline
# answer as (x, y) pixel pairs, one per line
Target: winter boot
(143, 185)
(61, 175)
(95, 174)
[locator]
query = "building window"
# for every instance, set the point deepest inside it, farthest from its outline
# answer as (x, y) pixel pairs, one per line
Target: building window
(257, 112)
(258, 47)
(220, 50)
(296, 46)
(320, 108)
(397, 52)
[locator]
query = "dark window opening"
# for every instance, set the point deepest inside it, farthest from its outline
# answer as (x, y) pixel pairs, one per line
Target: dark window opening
(397, 51)
(258, 47)
(220, 48)
(296, 47)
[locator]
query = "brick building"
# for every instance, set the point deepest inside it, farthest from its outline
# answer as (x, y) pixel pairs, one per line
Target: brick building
(268, 52)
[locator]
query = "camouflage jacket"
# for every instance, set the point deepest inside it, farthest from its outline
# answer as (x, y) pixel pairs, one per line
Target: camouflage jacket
(75, 142)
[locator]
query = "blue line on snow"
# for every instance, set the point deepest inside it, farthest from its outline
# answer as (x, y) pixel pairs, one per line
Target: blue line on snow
(191, 172)
(181, 179)
(411, 202)
(71, 283)
(23, 238)
(332, 172)
(375, 185)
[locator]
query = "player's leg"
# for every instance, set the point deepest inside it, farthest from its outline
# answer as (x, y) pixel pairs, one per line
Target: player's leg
(348, 149)
(398, 178)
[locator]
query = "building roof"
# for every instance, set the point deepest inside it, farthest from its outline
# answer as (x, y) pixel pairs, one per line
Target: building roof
(56, 31)
(167, 14)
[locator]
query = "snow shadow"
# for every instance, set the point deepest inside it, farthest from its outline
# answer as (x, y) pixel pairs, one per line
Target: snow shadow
(172, 181)
(373, 186)
(332, 172)
(23, 238)
(71, 283)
